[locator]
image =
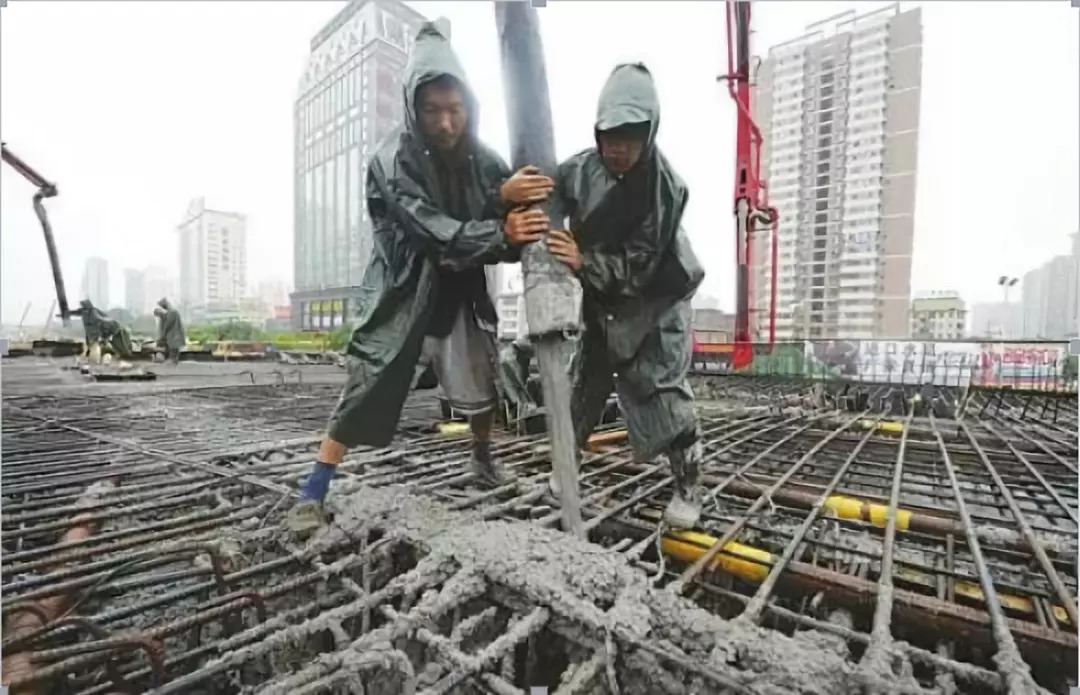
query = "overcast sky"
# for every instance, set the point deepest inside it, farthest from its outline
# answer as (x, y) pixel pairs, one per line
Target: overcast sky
(134, 108)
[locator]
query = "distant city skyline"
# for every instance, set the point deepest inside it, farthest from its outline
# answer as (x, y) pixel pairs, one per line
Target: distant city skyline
(129, 158)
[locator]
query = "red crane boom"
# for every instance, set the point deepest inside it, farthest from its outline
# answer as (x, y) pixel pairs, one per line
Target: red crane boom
(752, 209)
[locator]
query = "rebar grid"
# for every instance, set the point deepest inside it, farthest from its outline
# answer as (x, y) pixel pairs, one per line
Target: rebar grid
(187, 553)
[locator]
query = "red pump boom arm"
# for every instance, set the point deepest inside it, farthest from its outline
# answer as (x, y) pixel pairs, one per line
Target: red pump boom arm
(751, 193)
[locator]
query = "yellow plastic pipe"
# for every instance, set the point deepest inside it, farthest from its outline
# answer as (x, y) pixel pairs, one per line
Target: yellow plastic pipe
(753, 564)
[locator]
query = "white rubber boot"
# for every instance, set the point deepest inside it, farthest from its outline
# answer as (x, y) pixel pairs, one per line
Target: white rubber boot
(684, 509)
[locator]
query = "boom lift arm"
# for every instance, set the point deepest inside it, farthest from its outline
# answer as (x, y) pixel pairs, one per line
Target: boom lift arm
(45, 189)
(752, 210)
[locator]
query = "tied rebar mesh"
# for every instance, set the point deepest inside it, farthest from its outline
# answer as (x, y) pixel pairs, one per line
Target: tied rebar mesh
(903, 549)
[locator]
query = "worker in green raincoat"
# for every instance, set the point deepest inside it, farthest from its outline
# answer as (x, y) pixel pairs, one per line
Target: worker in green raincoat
(638, 272)
(442, 206)
(102, 330)
(171, 337)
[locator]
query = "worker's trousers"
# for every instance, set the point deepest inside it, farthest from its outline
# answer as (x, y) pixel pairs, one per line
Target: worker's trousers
(652, 387)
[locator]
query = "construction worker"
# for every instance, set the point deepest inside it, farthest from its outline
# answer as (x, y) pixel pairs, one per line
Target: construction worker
(638, 272)
(438, 201)
(100, 330)
(171, 336)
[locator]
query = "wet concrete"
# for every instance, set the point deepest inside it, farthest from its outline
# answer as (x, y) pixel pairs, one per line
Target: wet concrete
(601, 593)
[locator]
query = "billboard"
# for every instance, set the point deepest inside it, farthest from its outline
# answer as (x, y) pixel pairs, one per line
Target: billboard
(1036, 365)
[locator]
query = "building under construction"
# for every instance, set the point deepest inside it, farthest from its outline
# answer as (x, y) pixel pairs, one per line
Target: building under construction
(857, 537)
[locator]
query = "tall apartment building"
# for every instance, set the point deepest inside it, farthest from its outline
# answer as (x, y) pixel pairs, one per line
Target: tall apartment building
(938, 316)
(1048, 299)
(839, 113)
(95, 282)
(135, 291)
(213, 257)
(160, 283)
(349, 100)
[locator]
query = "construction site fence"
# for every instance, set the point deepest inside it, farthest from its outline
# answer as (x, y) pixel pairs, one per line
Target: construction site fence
(1035, 365)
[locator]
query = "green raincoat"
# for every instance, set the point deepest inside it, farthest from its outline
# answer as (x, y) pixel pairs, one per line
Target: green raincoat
(171, 328)
(638, 274)
(99, 328)
(414, 238)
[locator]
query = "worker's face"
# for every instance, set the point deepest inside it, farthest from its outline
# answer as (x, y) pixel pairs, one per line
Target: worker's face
(443, 115)
(621, 148)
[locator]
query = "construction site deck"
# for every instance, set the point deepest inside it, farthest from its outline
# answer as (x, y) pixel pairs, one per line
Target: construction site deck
(850, 542)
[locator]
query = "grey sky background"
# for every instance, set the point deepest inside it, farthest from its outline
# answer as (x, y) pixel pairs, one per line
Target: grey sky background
(134, 108)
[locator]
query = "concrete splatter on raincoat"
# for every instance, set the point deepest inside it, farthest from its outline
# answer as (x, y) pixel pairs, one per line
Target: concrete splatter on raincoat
(638, 274)
(414, 238)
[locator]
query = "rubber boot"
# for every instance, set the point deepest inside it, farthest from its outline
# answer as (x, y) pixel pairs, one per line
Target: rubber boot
(305, 517)
(486, 467)
(684, 510)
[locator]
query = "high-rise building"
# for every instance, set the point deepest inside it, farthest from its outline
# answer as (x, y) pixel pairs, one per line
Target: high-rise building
(213, 257)
(1072, 298)
(95, 282)
(938, 316)
(839, 112)
(349, 100)
(135, 291)
(1048, 300)
(160, 284)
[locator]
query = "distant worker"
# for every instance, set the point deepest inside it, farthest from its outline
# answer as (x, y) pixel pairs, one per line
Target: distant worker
(171, 336)
(638, 272)
(435, 226)
(100, 330)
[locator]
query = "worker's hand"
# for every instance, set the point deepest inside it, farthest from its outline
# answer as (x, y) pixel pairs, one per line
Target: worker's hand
(526, 225)
(527, 186)
(562, 245)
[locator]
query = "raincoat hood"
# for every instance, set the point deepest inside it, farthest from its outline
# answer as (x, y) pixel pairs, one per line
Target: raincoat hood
(164, 304)
(628, 97)
(433, 57)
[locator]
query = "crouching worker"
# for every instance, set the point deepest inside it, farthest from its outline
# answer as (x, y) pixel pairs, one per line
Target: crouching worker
(638, 272)
(100, 330)
(437, 198)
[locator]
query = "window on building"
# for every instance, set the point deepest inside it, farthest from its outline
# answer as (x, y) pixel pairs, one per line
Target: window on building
(316, 229)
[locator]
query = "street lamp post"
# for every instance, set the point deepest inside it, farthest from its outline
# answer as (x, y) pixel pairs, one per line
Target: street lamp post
(1005, 282)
